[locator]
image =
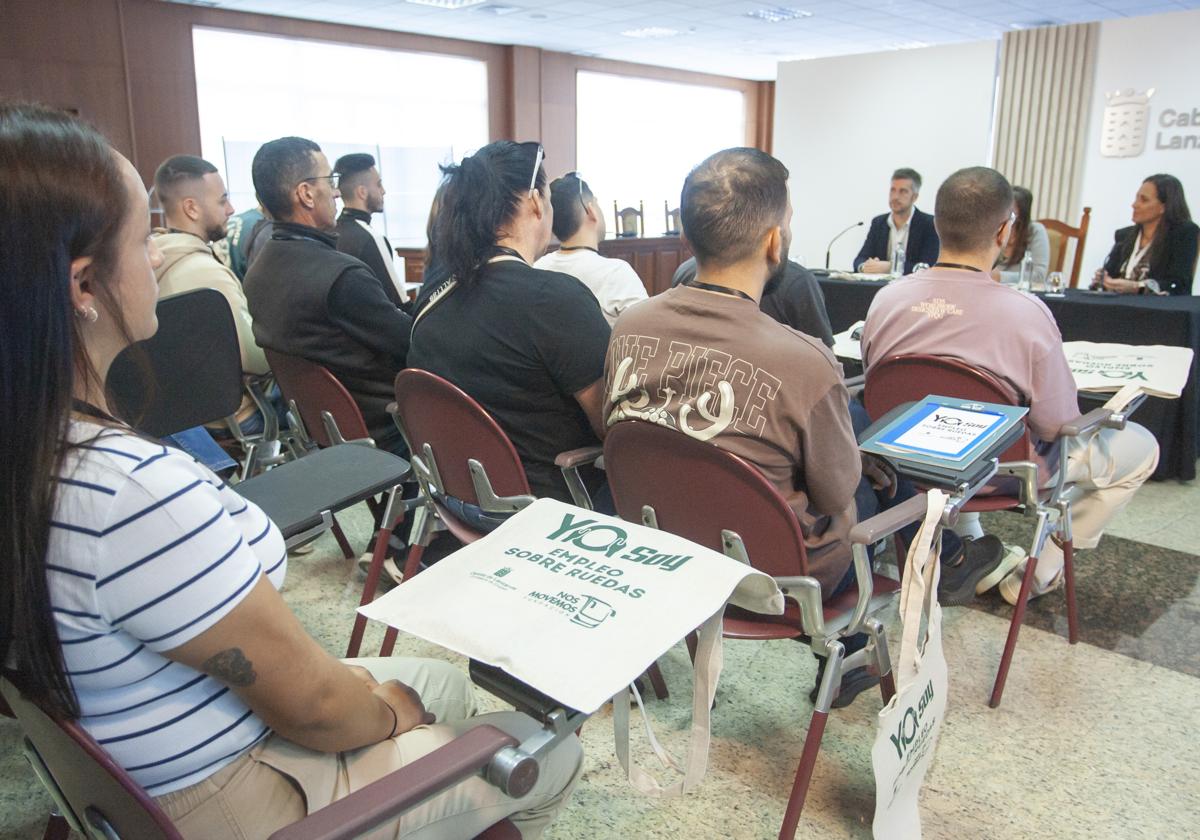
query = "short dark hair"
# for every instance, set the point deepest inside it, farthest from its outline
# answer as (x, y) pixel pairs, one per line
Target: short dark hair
(177, 170)
(909, 173)
(568, 195)
(970, 206)
(277, 168)
(730, 201)
(351, 165)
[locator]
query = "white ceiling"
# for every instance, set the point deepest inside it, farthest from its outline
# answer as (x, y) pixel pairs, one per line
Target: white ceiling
(714, 36)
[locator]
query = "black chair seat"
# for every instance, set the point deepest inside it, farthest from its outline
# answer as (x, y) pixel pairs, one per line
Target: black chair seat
(295, 494)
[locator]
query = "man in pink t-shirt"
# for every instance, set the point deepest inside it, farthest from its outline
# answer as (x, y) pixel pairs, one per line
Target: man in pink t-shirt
(955, 309)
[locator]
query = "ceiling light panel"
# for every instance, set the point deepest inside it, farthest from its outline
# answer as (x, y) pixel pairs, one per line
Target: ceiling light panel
(447, 4)
(778, 14)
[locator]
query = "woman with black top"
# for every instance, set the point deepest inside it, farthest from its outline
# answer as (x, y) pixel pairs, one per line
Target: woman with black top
(1160, 245)
(527, 344)
(139, 592)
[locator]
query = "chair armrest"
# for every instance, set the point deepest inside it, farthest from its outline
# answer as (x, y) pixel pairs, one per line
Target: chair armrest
(1085, 423)
(872, 530)
(403, 789)
(578, 457)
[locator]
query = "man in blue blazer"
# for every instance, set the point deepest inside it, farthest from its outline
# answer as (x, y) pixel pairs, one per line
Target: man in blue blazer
(905, 225)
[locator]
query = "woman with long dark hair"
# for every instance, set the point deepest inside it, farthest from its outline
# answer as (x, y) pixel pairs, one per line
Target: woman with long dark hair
(1027, 237)
(1158, 251)
(527, 344)
(138, 592)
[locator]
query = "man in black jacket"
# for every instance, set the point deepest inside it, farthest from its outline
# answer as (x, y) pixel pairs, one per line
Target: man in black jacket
(362, 197)
(311, 301)
(904, 225)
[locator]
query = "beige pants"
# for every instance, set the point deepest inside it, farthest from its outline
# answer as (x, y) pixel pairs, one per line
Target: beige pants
(277, 782)
(1106, 469)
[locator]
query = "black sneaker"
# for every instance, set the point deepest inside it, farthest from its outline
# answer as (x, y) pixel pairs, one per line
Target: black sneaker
(854, 682)
(978, 559)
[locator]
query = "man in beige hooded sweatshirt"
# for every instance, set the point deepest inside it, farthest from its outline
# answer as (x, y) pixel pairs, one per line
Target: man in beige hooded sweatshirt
(196, 206)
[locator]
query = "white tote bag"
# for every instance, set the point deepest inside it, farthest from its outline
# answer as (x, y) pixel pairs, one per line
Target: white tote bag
(577, 605)
(909, 725)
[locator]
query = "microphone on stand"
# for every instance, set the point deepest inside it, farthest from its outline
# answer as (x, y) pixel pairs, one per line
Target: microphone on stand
(836, 238)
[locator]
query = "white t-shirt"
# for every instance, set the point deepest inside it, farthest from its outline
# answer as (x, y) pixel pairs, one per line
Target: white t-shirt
(148, 549)
(614, 282)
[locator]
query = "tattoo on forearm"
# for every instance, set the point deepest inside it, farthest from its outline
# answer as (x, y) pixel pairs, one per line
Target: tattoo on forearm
(231, 667)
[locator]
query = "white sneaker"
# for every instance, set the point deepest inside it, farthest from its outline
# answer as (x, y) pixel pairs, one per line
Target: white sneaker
(1014, 556)
(1010, 587)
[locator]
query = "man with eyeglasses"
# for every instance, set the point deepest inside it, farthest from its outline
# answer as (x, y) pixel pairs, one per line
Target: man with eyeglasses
(312, 301)
(579, 227)
(956, 309)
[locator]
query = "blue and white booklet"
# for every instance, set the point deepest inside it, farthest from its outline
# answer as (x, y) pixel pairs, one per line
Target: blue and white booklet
(943, 438)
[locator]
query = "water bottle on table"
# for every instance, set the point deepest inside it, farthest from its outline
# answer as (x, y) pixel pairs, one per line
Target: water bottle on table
(1024, 280)
(898, 261)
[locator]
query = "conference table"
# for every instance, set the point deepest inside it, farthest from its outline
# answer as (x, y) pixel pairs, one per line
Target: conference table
(1081, 316)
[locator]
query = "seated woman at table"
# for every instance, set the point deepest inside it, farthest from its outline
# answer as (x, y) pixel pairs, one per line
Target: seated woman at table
(1160, 245)
(140, 592)
(1028, 237)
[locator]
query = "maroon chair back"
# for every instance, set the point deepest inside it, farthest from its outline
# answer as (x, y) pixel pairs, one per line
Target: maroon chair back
(900, 379)
(698, 490)
(92, 785)
(436, 412)
(314, 389)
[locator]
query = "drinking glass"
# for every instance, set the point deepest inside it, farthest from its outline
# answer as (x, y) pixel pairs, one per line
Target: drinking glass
(1054, 283)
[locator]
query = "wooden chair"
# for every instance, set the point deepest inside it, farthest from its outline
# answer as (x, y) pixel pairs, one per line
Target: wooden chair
(665, 479)
(327, 415)
(630, 222)
(901, 379)
(1060, 233)
(96, 797)
(672, 219)
(459, 451)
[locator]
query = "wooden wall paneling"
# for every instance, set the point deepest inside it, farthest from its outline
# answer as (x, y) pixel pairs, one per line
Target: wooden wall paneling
(654, 258)
(559, 112)
(68, 55)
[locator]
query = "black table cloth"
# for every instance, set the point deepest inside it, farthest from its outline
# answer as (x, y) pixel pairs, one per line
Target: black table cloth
(1120, 319)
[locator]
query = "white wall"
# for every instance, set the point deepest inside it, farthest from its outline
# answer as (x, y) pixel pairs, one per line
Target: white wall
(842, 125)
(1157, 52)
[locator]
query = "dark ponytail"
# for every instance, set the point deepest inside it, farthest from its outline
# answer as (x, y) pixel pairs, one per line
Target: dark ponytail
(61, 197)
(479, 197)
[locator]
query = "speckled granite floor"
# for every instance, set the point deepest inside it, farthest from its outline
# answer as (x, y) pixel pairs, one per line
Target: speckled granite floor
(1092, 741)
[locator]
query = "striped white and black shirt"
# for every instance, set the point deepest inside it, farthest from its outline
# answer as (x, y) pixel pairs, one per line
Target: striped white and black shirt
(148, 549)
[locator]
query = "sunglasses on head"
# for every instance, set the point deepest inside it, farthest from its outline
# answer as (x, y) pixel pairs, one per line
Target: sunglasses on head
(537, 164)
(579, 180)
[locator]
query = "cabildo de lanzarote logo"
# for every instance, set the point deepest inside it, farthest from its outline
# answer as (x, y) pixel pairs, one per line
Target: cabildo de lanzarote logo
(1128, 123)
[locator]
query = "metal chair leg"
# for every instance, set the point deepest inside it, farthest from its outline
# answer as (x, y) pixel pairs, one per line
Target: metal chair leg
(57, 828)
(1014, 629)
(389, 642)
(887, 678)
(657, 681)
(1069, 572)
(830, 681)
(370, 587)
(343, 543)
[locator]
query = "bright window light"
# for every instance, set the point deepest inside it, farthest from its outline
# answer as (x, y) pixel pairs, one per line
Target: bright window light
(638, 139)
(410, 110)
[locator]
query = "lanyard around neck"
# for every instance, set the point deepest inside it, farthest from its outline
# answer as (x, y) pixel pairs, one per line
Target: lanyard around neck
(957, 265)
(721, 290)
